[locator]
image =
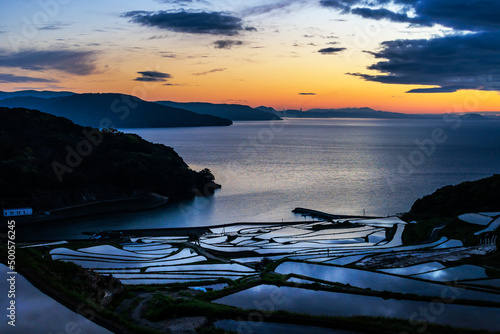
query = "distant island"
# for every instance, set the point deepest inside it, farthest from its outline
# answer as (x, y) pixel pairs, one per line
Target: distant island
(364, 113)
(49, 163)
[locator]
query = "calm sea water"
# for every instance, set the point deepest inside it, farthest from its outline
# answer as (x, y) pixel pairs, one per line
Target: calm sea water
(344, 166)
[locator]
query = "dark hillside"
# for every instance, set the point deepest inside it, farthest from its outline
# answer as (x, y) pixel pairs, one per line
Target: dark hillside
(234, 112)
(450, 201)
(50, 162)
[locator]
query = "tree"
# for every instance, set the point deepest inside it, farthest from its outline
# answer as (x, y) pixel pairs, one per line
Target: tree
(207, 175)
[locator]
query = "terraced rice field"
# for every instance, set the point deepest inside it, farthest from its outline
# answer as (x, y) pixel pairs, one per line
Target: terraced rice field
(360, 242)
(152, 263)
(363, 253)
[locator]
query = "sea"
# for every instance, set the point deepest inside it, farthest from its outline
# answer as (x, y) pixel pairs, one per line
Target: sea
(375, 167)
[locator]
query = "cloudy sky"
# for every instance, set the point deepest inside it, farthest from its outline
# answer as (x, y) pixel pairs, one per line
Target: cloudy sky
(396, 55)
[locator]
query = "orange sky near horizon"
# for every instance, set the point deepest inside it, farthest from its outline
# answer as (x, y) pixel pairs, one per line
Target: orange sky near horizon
(276, 62)
(284, 93)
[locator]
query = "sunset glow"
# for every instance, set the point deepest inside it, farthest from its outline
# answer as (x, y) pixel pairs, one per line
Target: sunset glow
(285, 54)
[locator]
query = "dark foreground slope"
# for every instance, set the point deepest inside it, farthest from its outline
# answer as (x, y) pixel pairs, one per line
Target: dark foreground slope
(49, 162)
(234, 112)
(115, 111)
(450, 201)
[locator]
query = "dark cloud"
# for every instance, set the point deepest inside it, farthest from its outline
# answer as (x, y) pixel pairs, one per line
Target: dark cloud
(179, 85)
(451, 63)
(153, 76)
(307, 93)
(149, 79)
(371, 9)
(175, 1)
(331, 51)
(158, 37)
(54, 26)
(382, 13)
(227, 44)
(343, 5)
(211, 71)
(214, 23)
(447, 89)
(168, 54)
(33, 68)
(271, 7)
(69, 61)
(447, 64)
(182, 2)
(472, 15)
(6, 78)
(475, 15)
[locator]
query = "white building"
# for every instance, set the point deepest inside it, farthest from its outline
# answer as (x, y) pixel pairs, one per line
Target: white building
(17, 212)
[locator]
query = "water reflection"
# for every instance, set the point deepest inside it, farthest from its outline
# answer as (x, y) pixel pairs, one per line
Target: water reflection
(341, 304)
(380, 282)
(38, 313)
(270, 327)
(180, 214)
(339, 165)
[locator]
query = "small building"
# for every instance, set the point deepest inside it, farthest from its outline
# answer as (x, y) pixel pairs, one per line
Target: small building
(17, 212)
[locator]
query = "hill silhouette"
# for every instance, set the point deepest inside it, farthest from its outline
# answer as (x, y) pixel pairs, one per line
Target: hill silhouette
(366, 113)
(46, 94)
(270, 110)
(347, 113)
(49, 162)
(115, 111)
(234, 112)
(467, 197)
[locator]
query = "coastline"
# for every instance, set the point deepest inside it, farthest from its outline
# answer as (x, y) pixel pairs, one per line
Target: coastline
(98, 208)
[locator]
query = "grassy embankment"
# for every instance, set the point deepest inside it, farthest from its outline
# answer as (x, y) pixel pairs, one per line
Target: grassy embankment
(78, 289)
(445, 205)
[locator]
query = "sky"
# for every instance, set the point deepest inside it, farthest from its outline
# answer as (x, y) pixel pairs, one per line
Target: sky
(412, 56)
